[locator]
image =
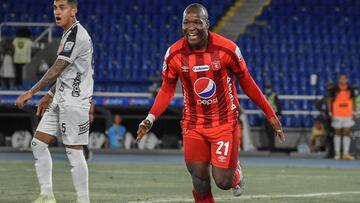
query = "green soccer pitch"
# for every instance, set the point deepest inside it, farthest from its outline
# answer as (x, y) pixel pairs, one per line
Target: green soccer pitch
(151, 183)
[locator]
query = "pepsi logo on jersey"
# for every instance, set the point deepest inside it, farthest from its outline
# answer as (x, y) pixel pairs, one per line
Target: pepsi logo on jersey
(205, 88)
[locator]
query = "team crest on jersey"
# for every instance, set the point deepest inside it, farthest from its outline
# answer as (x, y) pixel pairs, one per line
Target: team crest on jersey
(200, 68)
(205, 87)
(68, 46)
(216, 65)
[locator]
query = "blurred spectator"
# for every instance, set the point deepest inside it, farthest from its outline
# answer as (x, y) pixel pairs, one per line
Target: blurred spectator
(318, 136)
(321, 104)
(357, 101)
(150, 141)
(273, 99)
(325, 118)
(118, 136)
(22, 52)
(246, 143)
(7, 70)
(341, 106)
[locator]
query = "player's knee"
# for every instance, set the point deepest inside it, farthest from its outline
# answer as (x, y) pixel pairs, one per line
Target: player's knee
(37, 144)
(223, 183)
(201, 184)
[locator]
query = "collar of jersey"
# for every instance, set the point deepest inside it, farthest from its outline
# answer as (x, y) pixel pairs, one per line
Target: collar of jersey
(71, 27)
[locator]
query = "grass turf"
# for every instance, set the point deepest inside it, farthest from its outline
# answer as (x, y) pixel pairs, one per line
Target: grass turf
(121, 182)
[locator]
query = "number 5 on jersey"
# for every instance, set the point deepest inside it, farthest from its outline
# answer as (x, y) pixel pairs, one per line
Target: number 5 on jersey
(63, 128)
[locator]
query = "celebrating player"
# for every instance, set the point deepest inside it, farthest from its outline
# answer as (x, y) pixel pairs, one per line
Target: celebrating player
(206, 63)
(68, 114)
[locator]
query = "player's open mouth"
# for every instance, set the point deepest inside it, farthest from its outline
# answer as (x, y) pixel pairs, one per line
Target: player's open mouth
(192, 36)
(57, 19)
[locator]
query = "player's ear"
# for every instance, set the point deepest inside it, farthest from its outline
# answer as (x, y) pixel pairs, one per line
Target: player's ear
(73, 11)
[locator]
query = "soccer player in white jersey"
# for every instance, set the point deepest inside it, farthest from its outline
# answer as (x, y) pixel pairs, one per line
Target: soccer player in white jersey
(69, 101)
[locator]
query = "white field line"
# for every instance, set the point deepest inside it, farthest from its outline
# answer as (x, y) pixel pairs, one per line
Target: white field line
(254, 197)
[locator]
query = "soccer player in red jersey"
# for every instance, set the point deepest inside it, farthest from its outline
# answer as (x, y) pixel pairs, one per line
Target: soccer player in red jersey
(206, 64)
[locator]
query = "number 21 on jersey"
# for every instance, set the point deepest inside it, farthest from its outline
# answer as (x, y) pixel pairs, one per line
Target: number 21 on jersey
(223, 148)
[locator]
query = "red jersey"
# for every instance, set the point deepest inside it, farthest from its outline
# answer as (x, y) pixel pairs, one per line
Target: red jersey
(208, 82)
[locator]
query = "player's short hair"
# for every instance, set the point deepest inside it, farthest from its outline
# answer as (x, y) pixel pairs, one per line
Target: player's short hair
(199, 6)
(72, 3)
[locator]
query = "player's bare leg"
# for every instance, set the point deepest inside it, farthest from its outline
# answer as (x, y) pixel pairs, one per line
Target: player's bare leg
(200, 175)
(79, 172)
(337, 142)
(43, 166)
(346, 144)
(226, 178)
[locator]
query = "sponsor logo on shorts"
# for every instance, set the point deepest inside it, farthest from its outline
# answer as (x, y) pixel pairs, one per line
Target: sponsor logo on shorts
(222, 159)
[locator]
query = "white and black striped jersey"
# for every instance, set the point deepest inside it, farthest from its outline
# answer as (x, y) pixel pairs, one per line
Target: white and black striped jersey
(75, 84)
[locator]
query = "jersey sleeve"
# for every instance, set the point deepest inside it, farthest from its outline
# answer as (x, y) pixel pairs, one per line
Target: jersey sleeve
(237, 63)
(167, 89)
(163, 98)
(238, 66)
(168, 71)
(73, 47)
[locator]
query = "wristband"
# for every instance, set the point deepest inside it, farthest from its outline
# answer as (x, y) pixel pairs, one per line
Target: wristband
(150, 117)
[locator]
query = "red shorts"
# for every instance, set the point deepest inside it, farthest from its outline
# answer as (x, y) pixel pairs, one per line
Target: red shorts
(218, 145)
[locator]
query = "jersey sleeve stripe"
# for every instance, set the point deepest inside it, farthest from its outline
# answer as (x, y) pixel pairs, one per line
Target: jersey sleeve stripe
(70, 43)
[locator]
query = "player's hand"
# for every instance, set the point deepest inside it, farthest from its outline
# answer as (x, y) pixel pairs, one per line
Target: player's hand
(275, 123)
(144, 128)
(43, 104)
(23, 99)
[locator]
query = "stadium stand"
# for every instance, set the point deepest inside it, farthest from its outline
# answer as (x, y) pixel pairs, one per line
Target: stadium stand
(286, 43)
(293, 39)
(130, 37)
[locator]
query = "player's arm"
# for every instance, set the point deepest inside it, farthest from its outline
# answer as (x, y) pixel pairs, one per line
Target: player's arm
(251, 89)
(163, 98)
(162, 101)
(49, 77)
